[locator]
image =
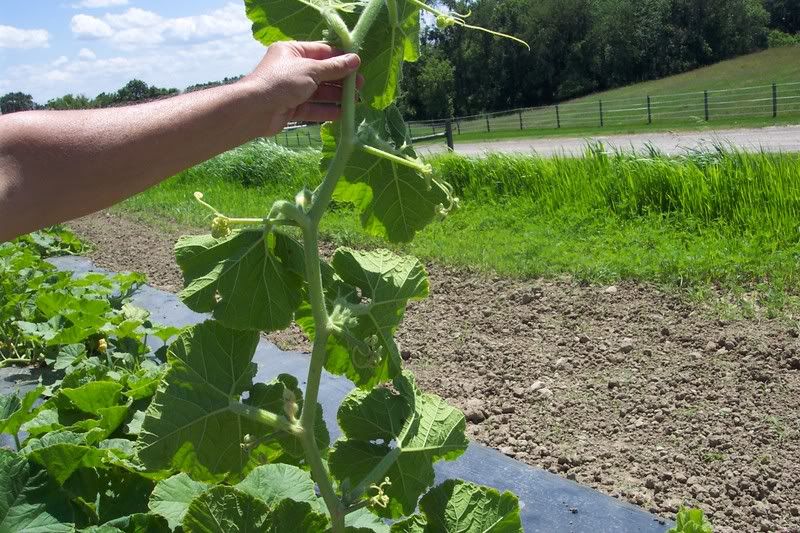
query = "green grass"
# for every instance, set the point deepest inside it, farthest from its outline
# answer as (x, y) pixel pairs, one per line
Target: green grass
(710, 219)
(776, 65)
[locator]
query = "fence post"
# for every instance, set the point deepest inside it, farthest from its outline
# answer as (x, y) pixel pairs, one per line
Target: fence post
(520, 119)
(774, 100)
(705, 101)
(286, 138)
(433, 128)
(297, 134)
(558, 118)
(458, 126)
(602, 121)
(448, 134)
(649, 111)
(488, 128)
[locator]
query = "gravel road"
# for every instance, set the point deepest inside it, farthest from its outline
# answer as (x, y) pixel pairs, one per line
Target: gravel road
(771, 139)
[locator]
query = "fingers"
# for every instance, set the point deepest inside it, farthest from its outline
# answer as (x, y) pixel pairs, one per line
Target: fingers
(314, 49)
(328, 94)
(335, 68)
(317, 112)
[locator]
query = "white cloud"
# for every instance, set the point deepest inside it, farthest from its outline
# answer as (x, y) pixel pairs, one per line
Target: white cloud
(134, 18)
(62, 60)
(89, 27)
(140, 28)
(87, 54)
(93, 4)
(11, 37)
(165, 66)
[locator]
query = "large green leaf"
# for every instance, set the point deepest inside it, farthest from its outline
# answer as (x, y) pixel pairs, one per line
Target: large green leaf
(224, 509)
(62, 459)
(285, 20)
(431, 431)
(297, 517)
(135, 523)
(395, 200)
(29, 500)
(378, 414)
(171, 497)
(273, 483)
(188, 425)
(364, 349)
(465, 507)
(388, 43)
(94, 395)
(23, 413)
(240, 279)
(9, 404)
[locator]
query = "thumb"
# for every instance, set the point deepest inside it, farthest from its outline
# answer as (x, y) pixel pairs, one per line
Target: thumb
(335, 68)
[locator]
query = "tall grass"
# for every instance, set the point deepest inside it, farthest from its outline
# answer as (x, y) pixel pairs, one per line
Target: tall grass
(756, 193)
(726, 218)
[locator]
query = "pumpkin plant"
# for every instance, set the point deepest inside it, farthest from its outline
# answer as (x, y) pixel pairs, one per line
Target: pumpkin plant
(212, 423)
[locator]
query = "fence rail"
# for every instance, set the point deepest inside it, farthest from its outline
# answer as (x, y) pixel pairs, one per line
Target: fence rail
(770, 101)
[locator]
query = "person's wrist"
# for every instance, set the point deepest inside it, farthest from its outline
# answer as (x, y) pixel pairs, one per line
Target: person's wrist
(254, 97)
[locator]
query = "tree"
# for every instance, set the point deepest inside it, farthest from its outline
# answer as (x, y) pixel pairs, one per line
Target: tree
(784, 15)
(14, 102)
(70, 101)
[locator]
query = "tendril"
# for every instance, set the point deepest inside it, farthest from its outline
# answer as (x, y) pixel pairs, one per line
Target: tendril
(446, 20)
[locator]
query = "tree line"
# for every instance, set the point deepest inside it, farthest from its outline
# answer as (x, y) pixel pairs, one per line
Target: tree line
(134, 91)
(577, 47)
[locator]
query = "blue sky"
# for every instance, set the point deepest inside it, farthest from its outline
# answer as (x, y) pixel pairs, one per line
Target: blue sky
(53, 47)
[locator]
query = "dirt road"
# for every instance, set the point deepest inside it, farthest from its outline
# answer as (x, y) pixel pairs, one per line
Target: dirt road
(771, 139)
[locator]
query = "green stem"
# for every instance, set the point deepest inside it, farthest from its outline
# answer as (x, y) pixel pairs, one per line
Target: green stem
(324, 193)
(337, 25)
(265, 417)
(17, 443)
(244, 221)
(316, 294)
(376, 474)
(365, 21)
(320, 201)
(416, 165)
(14, 362)
(394, 18)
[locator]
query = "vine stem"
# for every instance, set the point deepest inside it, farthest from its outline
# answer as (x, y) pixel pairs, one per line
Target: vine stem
(15, 362)
(320, 201)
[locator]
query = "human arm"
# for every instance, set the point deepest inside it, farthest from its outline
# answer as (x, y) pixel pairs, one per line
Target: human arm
(58, 165)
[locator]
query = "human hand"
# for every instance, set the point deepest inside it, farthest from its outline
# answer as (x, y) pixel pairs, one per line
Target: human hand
(299, 81)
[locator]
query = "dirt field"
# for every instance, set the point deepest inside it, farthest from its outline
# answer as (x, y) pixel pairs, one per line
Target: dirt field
(625, 389)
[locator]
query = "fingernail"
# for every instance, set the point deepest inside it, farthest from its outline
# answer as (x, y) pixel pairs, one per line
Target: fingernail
(352, 60)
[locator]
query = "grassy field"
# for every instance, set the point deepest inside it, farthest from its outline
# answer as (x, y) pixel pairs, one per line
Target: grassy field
(740, 93)
(776, 65)
(728, 220)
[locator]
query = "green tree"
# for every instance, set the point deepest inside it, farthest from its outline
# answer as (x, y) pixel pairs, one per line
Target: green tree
(14, 102)
(784, 15)
(70, 101)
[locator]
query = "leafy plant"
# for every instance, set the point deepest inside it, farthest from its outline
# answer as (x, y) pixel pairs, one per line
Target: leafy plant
(247, 447)
(691, 521)
(50, 317)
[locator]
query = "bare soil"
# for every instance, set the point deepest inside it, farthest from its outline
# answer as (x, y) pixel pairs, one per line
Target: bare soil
(627, 389)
